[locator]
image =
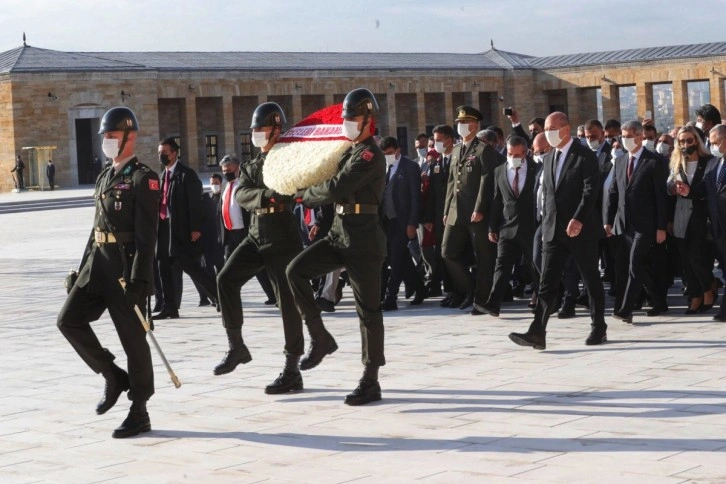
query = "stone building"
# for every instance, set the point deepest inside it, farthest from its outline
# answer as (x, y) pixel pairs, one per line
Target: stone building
(56, 99)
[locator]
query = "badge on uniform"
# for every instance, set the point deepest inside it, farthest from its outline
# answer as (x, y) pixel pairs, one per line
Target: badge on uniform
(437, 169)
(154, 185)
(122, 186)
(117, 205)
(367, 155)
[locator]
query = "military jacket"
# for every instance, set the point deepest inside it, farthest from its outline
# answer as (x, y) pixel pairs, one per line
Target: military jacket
(127, 204)
(361, 179)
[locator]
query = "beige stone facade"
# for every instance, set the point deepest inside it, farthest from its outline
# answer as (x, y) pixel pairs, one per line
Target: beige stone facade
(63, 109)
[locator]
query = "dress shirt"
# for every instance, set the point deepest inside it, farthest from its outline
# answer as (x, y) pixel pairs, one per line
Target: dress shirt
(560, 163)
(522, 175)
(235, 211)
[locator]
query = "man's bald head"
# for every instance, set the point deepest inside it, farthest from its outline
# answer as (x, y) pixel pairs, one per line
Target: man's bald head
(557, 120)
(540, 144)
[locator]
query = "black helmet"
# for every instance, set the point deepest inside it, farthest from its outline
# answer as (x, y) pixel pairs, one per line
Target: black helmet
(359, 102)
(119, 118)
(268, 114)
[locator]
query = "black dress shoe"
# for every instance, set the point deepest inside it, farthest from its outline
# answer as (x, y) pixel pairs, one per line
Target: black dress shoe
(136, 422)
(117, 382)
(596, 337)
(468, 301)
(583, 301)
(389, 305)
(419, 297)
(456, 300)
(476, 312)
(625, 317)
(325, 305)
(566, 313)
(288, 381)
(656, 311)
(157, 307)
(166, 314)
(271, 302)
(367, 391)
(488, 308)
(536, 341)
(235, 356)
(445, 302)
(322, 344)
(720, 317)
(204, 303)
(518, 292)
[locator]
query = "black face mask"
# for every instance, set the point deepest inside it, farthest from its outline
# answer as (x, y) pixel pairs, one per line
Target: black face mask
(230, 176)
(163, 159)
(689, 150)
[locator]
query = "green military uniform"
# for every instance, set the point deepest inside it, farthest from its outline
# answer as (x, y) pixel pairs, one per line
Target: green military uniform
(121, 244)
(356, 241)
(470, 189)
(272, 242)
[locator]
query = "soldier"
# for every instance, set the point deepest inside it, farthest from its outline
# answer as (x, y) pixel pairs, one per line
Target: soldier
(355, 241)
(272, 242)
(469, 196)
(121, 246)
(19, 169)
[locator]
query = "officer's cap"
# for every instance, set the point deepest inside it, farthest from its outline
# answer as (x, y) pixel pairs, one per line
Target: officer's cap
(467, 114)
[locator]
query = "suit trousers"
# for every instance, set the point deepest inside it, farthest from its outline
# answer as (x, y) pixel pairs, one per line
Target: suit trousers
(245, 262)
(554, 256)
(508, 252)
(400, 260)
(177, 280)
(232, 240)
(720, 244)
(571, 281)
(455, 241)
(82, 308)
(364, 275)
(621, 257)
(639, 247)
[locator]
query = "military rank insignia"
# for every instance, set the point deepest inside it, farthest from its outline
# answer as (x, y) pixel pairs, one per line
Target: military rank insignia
(153, 184)
(367, 155)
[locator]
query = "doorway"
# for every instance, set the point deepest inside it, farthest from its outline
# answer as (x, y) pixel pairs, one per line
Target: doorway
(84, 151)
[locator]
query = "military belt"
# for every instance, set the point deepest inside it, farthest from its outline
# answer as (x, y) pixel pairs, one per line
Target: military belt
(111, 238)
(276, 208)
(356, 209)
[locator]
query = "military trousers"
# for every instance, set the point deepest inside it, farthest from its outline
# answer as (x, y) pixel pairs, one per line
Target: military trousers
(456, 239)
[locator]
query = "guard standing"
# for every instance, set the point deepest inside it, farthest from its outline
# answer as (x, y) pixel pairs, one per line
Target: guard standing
(19, 168)
(272, 242)
(469, 196)
(121, 246)
(356, 241)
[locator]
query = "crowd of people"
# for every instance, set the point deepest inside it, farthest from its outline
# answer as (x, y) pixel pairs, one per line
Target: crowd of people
(476, 219)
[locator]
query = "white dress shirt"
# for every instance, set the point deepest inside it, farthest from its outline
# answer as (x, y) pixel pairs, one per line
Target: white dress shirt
(235, 211)
(522, 175)
(560, 163)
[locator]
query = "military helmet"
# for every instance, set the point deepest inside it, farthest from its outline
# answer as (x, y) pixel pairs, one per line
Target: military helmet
(268, 114)
(119, 118)
(359, 102)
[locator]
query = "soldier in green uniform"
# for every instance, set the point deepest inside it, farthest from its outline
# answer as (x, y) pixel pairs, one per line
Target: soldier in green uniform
(356, 241)
(469, 196)
(272, 242)
(121, 245)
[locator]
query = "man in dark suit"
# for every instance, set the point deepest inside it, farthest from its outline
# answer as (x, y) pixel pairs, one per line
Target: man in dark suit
(401, 213)
(512, 222)
(50, 173)
(469, 196)
(438, 175)
(570, 225)
(638, 195)
(180, 226)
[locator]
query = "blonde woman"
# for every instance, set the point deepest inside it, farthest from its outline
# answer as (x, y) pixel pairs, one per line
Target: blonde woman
(688, 166)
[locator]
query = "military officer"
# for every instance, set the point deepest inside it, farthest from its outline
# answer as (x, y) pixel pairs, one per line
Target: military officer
(121, 246)
(271, 242)
(355, 241)
(469, 196)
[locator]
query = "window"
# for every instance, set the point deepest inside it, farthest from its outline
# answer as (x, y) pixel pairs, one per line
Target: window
(246, 150)
(402, 136)
(210, 143)
(178, 143)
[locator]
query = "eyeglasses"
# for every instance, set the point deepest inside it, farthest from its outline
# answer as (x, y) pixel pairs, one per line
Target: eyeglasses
(687, 141)
(539, 153)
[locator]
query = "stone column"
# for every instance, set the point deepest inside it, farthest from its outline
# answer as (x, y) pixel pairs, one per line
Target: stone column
(392, 122)
(574, 108)
(644, 97)
(680, 102)
(191, 135)
(448, 108)
(230, 140)
(717, 94)
(420, 112)
(610, 101)
(329, 99)
(296, 109)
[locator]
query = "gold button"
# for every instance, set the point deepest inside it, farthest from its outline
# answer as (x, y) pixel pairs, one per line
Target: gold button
(103, 196)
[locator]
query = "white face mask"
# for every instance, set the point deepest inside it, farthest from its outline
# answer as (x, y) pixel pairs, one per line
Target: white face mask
(593, 144)
(699, 125)
(663, 149)
(422, 152)
(259, 139)
(649, 144)
(439, 147)
(514, 162)
(539, 158)
(463, 130)
(110, 148)
(616, 153)
(390, 159)
(350, 129)
(715, 151)
(553, 137)
(629, 144)
(216, 189)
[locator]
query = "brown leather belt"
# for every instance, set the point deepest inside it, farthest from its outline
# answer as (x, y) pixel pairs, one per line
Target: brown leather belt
(111, 238)
(355, 209)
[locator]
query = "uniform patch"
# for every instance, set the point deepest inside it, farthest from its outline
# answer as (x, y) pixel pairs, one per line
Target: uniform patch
(367, 155)
(153, 184)
(122, 186)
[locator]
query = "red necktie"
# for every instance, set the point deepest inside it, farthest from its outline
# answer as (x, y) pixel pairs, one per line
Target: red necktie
(165, 198)
(308, 216)
(225, 206)
(515, 184)
(630, 167)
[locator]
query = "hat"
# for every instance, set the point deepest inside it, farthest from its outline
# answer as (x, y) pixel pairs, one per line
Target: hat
(467, 113)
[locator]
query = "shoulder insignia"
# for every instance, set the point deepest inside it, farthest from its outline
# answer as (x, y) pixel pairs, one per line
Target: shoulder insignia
(367, 155)
(153, 184)
(127, 179)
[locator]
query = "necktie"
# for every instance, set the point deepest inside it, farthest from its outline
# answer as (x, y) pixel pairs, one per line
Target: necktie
(308, 217)
(225, 206)
(165, 197)
(388, 173)
(515, 183)
(555, 166)
(722, 174)
(446, 163)
(631, 164)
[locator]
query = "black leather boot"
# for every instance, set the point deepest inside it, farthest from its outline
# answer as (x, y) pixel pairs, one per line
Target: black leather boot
(368, 389)
(237, 354)
(117, 382)
(136, 422)
(322, 344)
(290, 380)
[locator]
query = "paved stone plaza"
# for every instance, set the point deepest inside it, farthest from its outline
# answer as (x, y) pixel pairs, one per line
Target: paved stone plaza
(461, 403)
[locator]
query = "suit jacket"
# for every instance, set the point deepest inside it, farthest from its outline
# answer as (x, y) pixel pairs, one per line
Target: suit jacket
(185, 210)
(438, 176)
(715, 198)
(604, 158)
(642, 202)
(405, 187)
(574, 197)
(511, 216)
(471, 182)
(519, 131)
(691, 210)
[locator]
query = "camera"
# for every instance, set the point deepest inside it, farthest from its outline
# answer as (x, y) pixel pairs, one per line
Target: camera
(508, 111)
